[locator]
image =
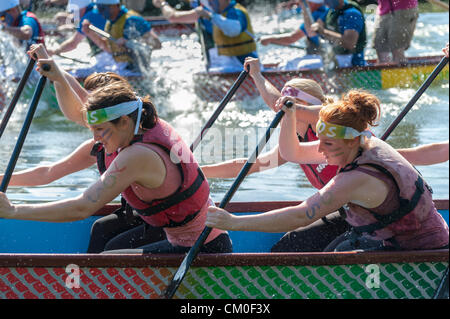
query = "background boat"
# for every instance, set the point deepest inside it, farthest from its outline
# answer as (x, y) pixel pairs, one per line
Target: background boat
(212, 86)
(251, 272)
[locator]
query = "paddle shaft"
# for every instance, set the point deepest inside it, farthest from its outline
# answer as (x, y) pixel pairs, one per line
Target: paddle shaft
(16, 96)
(220, 108)
(442, 289)
(102, 33)
(73, 59)
(195, 249)
(308, 12)
(416, 96)
(23, 134)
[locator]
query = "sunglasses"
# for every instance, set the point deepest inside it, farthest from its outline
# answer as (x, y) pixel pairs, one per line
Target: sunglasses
(102, 8)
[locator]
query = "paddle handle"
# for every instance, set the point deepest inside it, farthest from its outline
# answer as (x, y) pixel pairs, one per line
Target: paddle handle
(195, 249)
(416, 96)
(220, 108)
(23, 132)
(16, 96)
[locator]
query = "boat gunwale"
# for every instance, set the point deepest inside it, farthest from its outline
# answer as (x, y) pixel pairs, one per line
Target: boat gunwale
(221, 260)
(231, 259)
(261, 207)
(427, 60)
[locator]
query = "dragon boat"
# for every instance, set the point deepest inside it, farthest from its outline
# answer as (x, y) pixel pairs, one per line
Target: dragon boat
(212, 86)
(48, 261)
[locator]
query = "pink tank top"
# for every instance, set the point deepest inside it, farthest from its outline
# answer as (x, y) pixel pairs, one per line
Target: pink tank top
(388, 6)
(185, 235)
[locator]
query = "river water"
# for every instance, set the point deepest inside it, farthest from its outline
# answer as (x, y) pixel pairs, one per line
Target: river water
(52, 137)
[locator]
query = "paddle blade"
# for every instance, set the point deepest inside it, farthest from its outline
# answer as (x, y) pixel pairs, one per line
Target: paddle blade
(185, 265)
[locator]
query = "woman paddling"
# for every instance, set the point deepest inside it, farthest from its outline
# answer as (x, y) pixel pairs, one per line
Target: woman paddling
(390, 206)
(145, 160)
(309, 98)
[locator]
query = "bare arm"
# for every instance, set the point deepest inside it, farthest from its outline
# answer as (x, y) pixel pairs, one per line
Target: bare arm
(268, 92)
(101, 42)
(68, 45)
(45, 174)
(231, 168)
(341, 190)
(347, 40)
(428, 154)
(126, 168)
(70, 94)
(283, 39)
(175, 16)
(290, 148)
(22, 33)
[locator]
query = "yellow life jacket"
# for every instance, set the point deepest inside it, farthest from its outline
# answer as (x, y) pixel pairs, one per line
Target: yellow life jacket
(235, 46)
(119, 53)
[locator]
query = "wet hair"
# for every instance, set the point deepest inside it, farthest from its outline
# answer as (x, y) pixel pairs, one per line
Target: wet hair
(97, 80)
(356, 109)
(311, 87)
(116, 93)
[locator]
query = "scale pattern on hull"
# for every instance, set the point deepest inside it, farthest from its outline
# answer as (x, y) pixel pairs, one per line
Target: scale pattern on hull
(396, 280)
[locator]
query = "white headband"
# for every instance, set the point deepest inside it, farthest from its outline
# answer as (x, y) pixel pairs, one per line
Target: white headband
(296, 93)
(108, 114)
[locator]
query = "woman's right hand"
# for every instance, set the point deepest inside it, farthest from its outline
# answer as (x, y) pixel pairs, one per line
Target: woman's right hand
(6, 208)
(254, 65)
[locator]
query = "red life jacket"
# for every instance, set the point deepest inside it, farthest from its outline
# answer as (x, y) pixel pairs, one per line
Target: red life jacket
(41, 36)
(180, 207)
(317, 174)
(416, 224)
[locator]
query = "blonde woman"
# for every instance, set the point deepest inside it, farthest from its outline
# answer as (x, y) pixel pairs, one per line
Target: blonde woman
(309, 100)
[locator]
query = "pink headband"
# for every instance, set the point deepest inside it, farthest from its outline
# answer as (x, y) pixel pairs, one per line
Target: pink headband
(296, 93)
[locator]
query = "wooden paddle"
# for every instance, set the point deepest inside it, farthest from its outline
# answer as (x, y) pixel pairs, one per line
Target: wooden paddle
(220, 108)
(16, 96)
(130, 44)
(416, 96)
(195, 249)
(23, 133)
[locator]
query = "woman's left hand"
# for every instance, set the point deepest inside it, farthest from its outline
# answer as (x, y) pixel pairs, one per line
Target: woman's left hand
(219, 218)
(6, 208)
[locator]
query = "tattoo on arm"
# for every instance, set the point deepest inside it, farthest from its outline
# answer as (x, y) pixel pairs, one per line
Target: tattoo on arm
(324, 200)
(108, 182)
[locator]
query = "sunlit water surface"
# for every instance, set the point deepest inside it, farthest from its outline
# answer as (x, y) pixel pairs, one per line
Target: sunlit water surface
(52, 137)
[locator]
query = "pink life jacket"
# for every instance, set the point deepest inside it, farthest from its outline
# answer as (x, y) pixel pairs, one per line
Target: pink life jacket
(180, 207)
(416, 224)
(317, 174)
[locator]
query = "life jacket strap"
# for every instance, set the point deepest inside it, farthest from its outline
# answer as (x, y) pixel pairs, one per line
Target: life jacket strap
(174, 199)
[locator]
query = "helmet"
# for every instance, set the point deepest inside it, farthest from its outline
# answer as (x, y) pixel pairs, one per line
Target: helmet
(8, 4)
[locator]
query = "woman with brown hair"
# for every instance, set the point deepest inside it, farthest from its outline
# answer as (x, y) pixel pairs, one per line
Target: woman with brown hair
(390, 206)
(144, 159)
